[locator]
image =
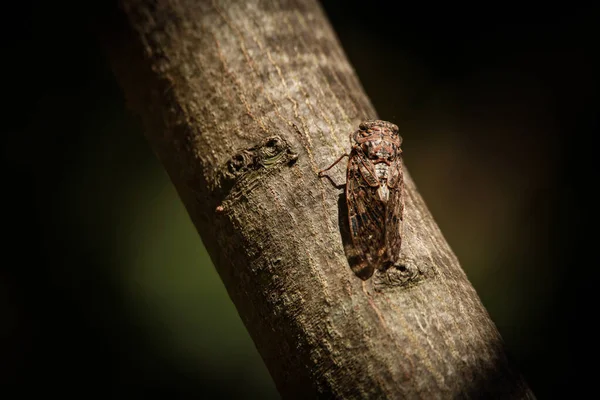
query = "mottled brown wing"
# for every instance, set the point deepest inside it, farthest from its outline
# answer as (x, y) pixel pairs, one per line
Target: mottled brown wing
(366, 214)
(394, 212)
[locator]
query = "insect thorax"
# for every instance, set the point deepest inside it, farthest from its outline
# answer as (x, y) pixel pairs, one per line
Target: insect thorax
(379, 141)
(380, 149)
(381, 170)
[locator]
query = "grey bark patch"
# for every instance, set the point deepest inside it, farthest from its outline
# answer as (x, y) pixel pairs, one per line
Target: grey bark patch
(244, 170)
(405, 273)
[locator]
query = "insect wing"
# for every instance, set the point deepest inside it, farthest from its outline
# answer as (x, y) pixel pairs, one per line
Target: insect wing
(394, 212)
(366, 214)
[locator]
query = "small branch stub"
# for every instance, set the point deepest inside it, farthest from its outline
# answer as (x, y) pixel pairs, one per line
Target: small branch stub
(244, 171)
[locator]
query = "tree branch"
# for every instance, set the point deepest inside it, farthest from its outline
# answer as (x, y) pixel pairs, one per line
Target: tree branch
(243, 103)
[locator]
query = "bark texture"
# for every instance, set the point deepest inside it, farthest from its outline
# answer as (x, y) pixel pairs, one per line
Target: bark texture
(244, 102)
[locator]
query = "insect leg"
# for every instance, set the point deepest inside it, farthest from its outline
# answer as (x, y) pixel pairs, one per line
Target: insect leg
(333, 165)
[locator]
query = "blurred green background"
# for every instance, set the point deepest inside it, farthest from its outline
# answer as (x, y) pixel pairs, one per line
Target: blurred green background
(106, 284)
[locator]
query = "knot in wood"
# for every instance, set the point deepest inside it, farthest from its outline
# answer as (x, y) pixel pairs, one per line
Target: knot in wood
(245, 169)
(270, 152)
(405, 273)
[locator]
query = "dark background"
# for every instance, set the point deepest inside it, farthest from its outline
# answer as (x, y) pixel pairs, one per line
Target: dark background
(105, 282)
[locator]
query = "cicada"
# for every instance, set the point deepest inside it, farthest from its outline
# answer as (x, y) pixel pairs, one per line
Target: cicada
(374, 196)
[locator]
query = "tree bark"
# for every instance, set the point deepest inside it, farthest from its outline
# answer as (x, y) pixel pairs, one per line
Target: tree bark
(244, 102)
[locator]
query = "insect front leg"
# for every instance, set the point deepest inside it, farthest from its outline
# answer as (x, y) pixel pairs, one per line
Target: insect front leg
(333, 165)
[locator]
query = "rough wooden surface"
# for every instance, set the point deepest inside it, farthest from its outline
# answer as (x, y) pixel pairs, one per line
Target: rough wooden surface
(244, 102)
